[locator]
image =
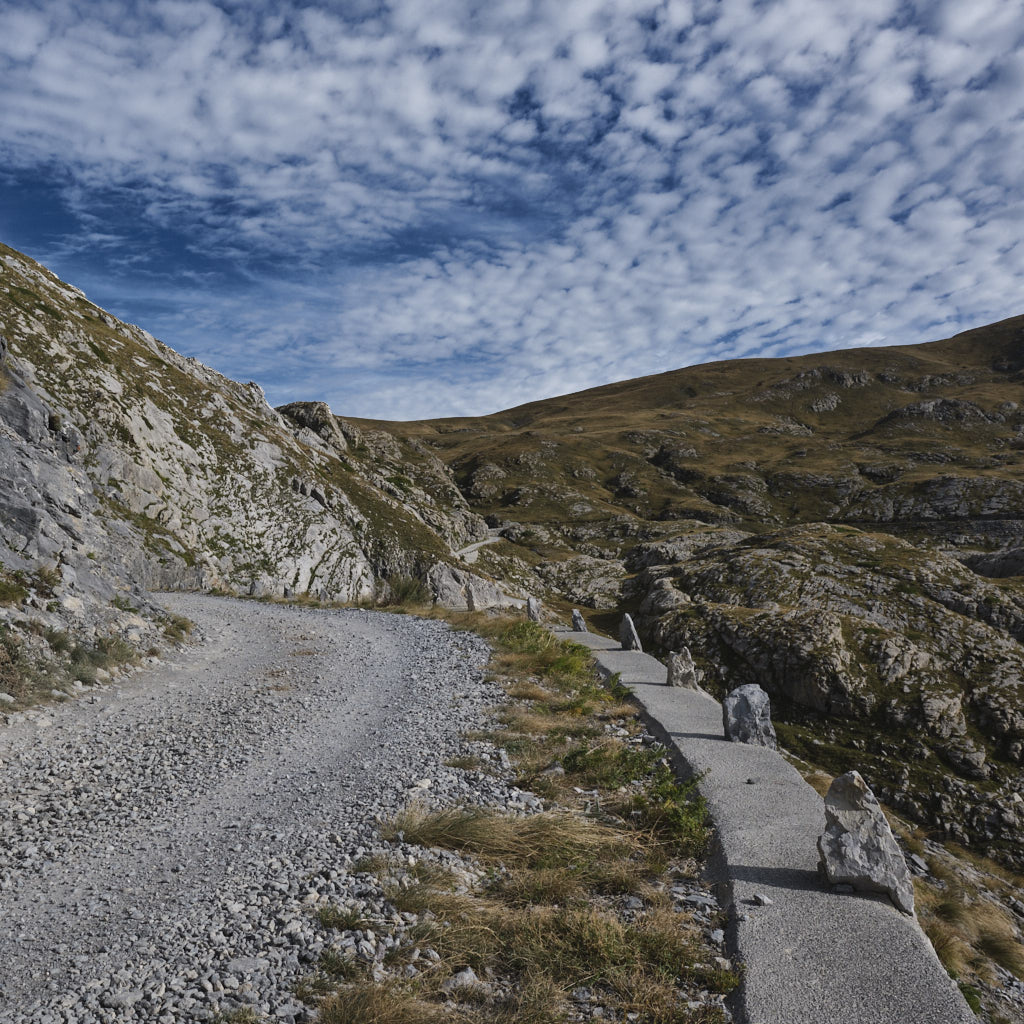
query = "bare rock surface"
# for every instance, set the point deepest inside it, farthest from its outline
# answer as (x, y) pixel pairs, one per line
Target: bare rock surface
(465, 591)
(858, 848)
(876, 652)
(682, 671)
(163, 850)
(746, 717)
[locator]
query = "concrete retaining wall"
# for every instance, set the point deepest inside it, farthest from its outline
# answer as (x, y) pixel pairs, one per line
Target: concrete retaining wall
(811, 956)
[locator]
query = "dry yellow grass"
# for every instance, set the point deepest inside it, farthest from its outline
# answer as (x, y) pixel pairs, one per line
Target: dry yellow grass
(545, 918)
(527, 689)
(970, 932)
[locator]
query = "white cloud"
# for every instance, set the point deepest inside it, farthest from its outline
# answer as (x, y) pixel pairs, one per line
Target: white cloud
(450, 206)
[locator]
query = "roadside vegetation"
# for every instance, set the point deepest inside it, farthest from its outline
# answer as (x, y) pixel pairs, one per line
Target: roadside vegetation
(572, 903)
(41, 662)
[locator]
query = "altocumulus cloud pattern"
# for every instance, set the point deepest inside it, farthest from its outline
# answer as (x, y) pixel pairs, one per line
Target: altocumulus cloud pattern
(426, 208)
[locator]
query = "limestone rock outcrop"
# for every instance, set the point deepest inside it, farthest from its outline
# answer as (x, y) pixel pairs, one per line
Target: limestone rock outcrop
(842, 626)
(126, 466)
(463, 591)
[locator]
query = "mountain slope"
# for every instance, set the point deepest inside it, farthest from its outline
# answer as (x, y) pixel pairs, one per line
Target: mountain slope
(125, 466)
(845, 529)
(861, 435)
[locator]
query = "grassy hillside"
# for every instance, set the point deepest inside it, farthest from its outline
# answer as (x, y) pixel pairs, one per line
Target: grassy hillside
(891, 435)
(807, 523)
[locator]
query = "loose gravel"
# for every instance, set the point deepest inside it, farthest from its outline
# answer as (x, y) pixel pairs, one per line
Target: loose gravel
(165, 840)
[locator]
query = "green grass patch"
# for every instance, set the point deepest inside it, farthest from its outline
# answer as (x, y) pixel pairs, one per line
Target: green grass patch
(13, 587)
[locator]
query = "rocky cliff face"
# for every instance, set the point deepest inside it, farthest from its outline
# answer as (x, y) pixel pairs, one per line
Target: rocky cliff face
(876, 653)
(126, 467)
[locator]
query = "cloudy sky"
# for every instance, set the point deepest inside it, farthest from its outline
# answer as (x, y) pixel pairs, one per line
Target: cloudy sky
(436, 207)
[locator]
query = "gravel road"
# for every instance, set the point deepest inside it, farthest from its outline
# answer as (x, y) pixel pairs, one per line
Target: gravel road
(165, 840)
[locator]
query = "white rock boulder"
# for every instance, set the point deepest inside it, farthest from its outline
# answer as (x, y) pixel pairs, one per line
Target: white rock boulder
(858, 848)
(746, 717)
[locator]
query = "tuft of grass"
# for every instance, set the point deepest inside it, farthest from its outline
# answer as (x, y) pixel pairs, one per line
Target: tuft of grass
(971, 995)
(527, 689)
(467, 762)
(244, 1016)
(14, 674)
(341, 966)
(971, 934)
(953, 909)
(995, 937)
(47, 579)
(405, 592)
(549, 839)
(105, 652)
(636, 964)
(13, 586)
(177, 627)
(60, 642)
(380, 1004)
(337, 919)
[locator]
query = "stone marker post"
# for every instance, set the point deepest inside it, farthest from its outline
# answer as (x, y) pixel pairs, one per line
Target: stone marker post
(858, 848)
(628, 635)
(682, 671)
(747, 718)
(578, 623)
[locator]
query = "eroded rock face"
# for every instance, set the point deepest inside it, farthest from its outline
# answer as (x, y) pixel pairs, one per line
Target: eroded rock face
(858, 848)
(210, 485)
(747, 717)
(463, 591)
(594, 582)
(843, 627)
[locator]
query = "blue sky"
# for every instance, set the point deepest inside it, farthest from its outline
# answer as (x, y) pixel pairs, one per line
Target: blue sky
(443, 207)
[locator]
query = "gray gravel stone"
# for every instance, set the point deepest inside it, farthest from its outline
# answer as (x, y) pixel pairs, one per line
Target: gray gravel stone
(163, 851)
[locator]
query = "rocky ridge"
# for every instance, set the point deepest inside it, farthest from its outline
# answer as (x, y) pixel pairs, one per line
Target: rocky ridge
(125, 466)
